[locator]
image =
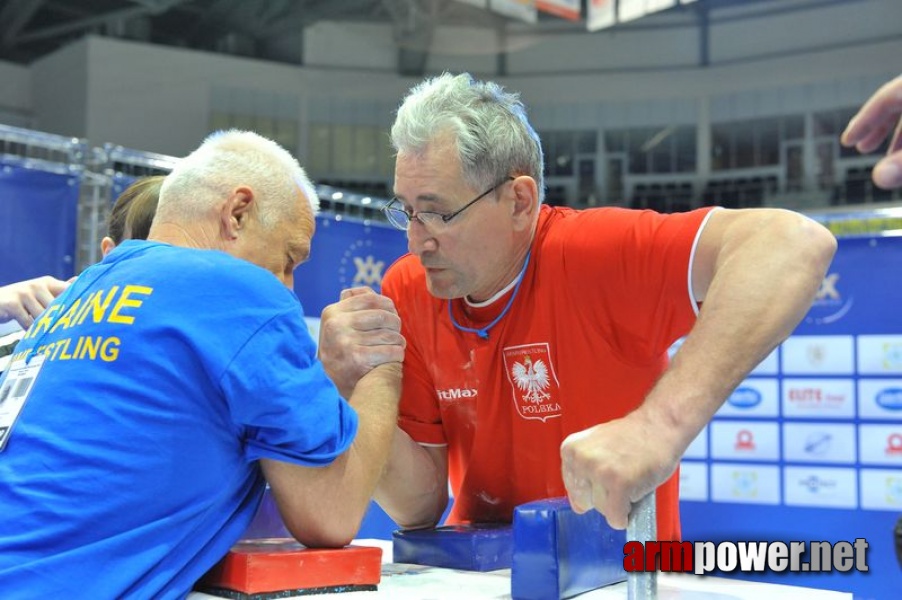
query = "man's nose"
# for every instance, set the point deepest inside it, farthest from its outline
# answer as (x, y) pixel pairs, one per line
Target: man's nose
(419, 239)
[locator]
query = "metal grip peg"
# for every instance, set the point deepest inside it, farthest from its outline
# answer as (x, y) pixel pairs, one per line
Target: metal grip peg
(642, 527)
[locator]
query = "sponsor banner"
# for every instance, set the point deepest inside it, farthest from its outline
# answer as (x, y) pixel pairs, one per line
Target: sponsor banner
(629, 10)
(699, 446)
(862, 223)
(860, 291)
(768, 366)
(600, 14)
(346, 254)
(656, 5)
(880, 354)
(819, 398)
(820, 486)
(745, 440)
(880, 399)
(819, 442)
(523, 10)
(881, 489)
(693, 481)
(880, 444)
(833, 300)
(818, 355)
(754, 397)
(565, 9)
(752, 484)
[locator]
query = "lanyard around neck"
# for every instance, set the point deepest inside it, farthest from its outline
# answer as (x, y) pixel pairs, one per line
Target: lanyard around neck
(483, 332)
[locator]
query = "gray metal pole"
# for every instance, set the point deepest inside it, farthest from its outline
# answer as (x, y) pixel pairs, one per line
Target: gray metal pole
(642, 527)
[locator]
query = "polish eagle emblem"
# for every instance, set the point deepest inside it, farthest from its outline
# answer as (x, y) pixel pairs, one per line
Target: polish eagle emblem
(532, 379)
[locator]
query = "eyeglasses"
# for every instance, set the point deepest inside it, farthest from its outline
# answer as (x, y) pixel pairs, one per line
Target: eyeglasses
(400, 217)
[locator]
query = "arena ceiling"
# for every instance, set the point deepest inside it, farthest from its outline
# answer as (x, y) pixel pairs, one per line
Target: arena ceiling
(273, 29)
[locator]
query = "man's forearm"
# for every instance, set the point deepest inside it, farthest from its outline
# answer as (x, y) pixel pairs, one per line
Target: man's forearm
(324, 506)
(756, 273)
(754, 301)
(414, 486)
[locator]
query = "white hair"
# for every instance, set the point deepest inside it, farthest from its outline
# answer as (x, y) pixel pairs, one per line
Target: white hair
(230, 158)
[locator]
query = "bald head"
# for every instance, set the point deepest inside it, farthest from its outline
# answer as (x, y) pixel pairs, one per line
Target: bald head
(226, 161)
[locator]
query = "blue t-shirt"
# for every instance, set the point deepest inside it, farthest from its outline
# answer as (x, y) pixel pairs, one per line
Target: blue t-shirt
(133, 466)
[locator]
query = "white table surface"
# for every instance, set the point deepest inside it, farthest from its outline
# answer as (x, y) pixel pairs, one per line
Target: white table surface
(417, 582)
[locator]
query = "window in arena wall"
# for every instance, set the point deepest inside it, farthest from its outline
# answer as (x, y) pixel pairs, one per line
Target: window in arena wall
(365, 155)
(686, 151)
(559, 152)
(337, 151)
(386, 156)
(655, 150)
(319, 149)
(282, 130)
(752, 143)
(271, 114)
(342, 150)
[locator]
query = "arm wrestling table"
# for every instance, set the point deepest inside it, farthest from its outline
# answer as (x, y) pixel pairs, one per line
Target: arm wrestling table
(417, 582)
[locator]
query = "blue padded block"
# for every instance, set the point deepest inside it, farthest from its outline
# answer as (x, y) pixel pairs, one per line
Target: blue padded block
(479, 547)
(559, 554)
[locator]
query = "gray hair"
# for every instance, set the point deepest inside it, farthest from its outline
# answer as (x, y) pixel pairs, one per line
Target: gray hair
(494, 138)
(230, 158)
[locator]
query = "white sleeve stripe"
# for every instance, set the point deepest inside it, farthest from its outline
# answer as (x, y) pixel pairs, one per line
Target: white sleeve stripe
(698, 236)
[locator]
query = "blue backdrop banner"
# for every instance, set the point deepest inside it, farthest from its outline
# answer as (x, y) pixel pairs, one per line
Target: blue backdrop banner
(345, 254)
(38, 222)
(809, 447)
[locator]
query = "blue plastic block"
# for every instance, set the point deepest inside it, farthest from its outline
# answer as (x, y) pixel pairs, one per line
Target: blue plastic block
(481, 547)
(559, 554)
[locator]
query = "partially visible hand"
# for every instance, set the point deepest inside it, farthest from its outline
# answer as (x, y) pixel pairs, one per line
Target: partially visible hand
(360, 331)
(877, 118)
(610, 466)
(25, 300)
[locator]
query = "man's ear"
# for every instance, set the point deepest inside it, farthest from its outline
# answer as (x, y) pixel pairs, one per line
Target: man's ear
(106, 245)
(526, 198)
(235, 212)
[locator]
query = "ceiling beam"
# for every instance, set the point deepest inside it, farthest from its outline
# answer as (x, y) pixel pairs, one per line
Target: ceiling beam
(324, 11)
(216, 13)
(82, 24)
(14, 16)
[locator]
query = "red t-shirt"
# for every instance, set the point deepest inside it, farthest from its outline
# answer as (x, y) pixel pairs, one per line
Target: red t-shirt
(606, 293)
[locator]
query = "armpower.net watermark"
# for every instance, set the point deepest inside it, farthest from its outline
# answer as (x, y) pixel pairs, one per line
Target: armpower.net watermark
(748, 557)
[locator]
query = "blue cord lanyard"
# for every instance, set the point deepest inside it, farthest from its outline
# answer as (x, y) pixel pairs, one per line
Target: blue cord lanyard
(483, 333)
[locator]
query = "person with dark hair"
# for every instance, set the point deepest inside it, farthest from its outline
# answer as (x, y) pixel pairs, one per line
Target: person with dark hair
(175, 378)
(133, 212)
(537, 358)
(880, 117)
